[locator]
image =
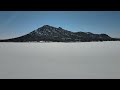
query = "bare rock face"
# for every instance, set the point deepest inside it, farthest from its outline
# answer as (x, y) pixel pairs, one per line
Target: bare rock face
(49, 33)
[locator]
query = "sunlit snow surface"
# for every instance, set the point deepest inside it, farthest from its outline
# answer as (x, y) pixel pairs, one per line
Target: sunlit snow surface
(83, 60)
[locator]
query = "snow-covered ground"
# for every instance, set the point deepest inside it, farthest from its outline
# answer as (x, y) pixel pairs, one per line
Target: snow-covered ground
(84, 60)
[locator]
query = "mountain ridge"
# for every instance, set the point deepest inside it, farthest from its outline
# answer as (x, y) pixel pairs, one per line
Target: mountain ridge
(49, 33)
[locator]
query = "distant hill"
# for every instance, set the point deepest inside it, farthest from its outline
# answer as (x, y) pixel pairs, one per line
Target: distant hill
(52, 34)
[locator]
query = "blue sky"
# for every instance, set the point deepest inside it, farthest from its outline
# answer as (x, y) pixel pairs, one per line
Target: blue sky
(17, 23)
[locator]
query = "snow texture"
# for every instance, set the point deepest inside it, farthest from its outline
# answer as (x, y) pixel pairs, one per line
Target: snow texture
(83, 60)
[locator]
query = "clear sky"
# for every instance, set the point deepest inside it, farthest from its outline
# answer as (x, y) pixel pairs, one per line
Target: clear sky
(17, 23)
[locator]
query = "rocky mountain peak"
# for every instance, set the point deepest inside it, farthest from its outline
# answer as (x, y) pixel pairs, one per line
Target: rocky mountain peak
(58, 34)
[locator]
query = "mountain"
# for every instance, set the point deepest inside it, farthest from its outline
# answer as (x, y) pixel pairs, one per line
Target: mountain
(53, 34)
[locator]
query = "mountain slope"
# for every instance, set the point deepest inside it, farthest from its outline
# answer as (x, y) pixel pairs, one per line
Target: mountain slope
(49, 33)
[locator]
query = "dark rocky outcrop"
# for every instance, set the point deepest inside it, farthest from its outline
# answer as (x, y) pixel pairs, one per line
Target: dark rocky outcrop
(52, 34)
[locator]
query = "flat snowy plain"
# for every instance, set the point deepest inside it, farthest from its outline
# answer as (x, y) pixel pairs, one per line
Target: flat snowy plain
(83, 60)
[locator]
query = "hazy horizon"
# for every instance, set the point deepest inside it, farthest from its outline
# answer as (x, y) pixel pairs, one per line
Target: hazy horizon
(18, 23)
